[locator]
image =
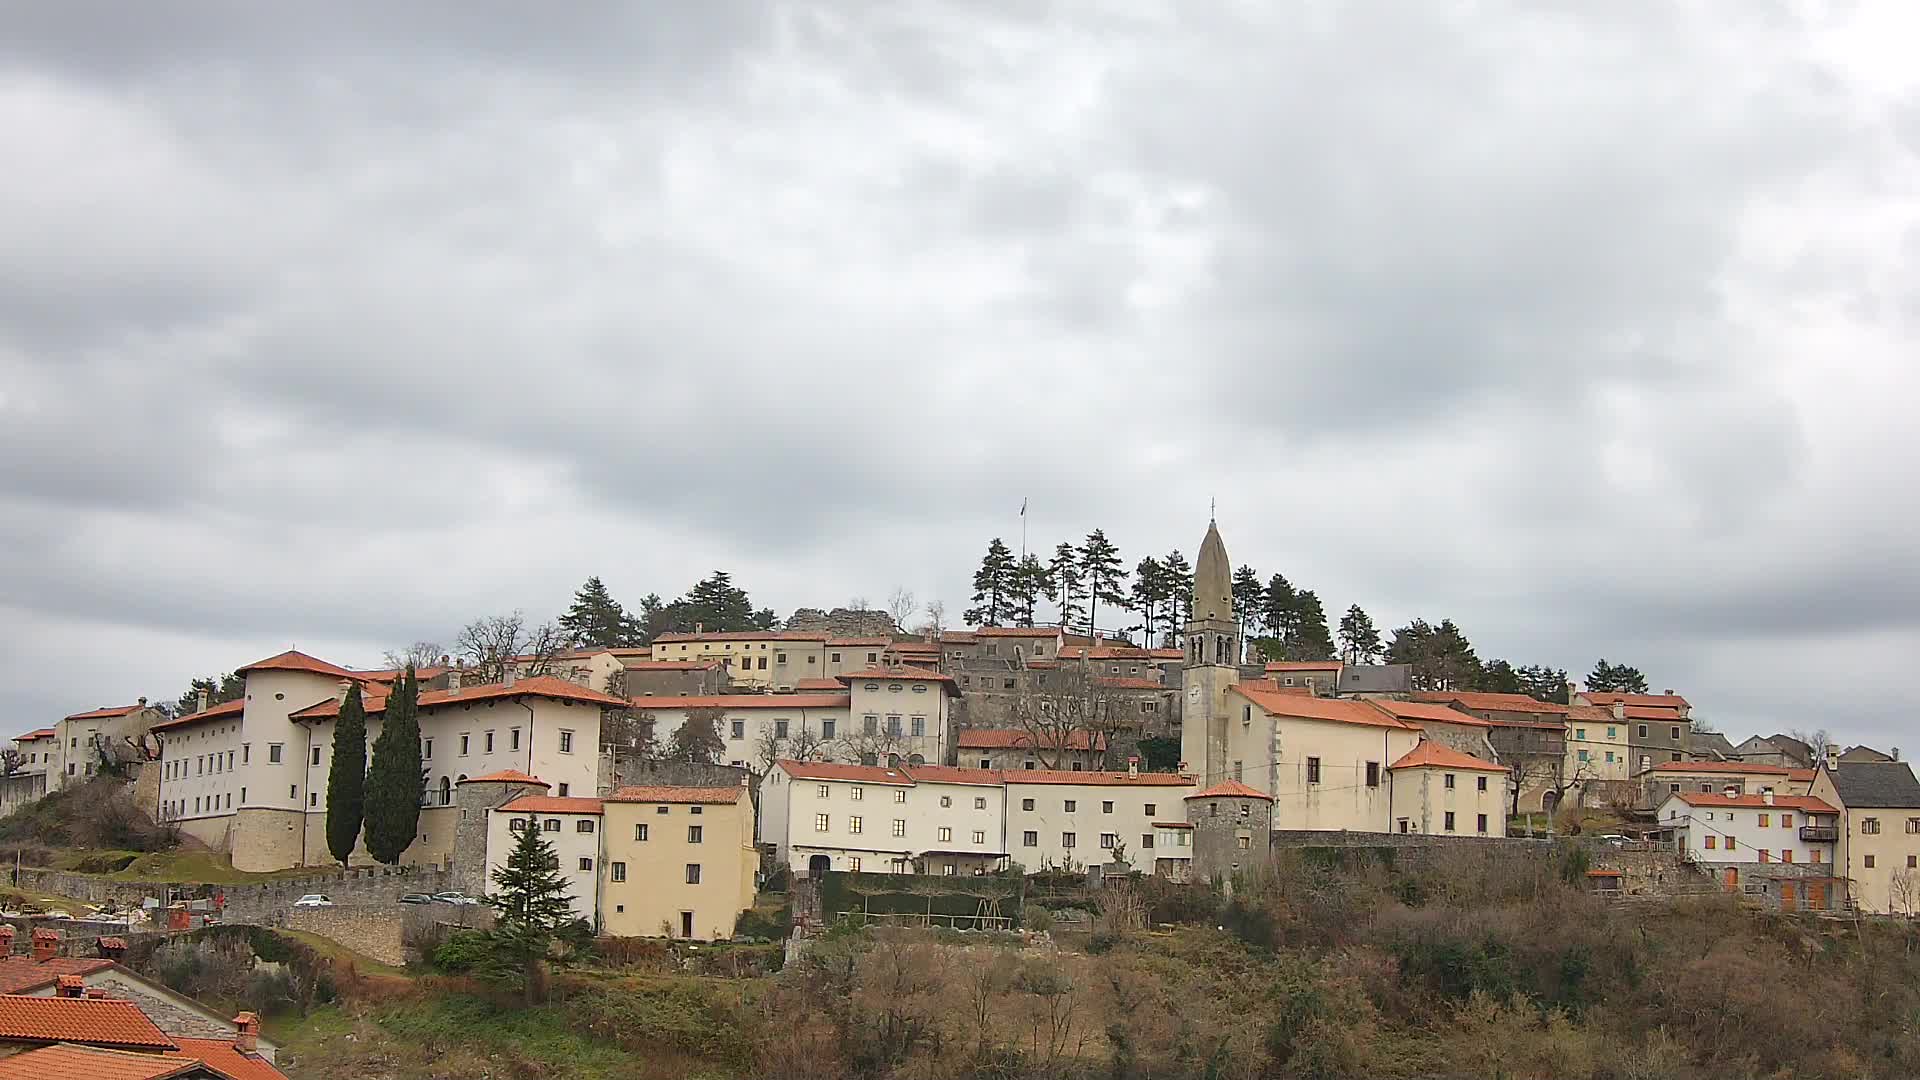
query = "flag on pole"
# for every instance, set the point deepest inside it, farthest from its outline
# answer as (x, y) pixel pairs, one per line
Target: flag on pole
(1023, 508)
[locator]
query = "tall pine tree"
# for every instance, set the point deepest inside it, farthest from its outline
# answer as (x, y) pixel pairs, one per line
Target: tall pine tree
(1149, 593)
(395, 782)
(1249, 602)
(1282, 615)
(1063, 574)
(1616, 678)
(1311, 641)
(596, 619)
(1105, 575)
(1180, 593)
(993, 587)
(1027, 588)
(533, 909)
(347, 777)
(1359, 641)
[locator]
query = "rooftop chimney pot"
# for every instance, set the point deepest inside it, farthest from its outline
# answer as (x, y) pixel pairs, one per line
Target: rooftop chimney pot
(46, 945)
(453, 681)
(143, 703)
(246, 1033)
(203, 699)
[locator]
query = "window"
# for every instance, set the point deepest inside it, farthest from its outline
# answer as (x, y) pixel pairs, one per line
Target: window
(853, 863)
(1070, 805)
(1765, 820)
(563, 789)
(617, 871)
(1026, 804)
(779, 658)
(586, 863)
(1580, 734)
(899, 826)
(1449, 782)
(946, 834)
(1674, 734)
(1582, 754)
(273, 753)
(946, 870)
(1237, 771)
(513, 738)
(899, 795)
(1146, 841)
(1913, 825)
(1066, 840)
(822, 791)
(1480, 784)
(1006, 684)
(826, 730)
(1786, 821)
(979, 802)
(293, 791)
(820, 822)
(1449, 821)
(1313, 770)
(1108, 840)
(1763, 854)
(739, 729)
(316, 757)
(1373, 775)
(693, 873)
(1786, 855)
(1913, 862)
(662, 809)
(1029, 839)
(1643, 731)
(550, 825)
(779, 729)
(695, 832)
(893, 725)
(1481, 823)
(919, 725)
(489, 742)
(870, 725)
(313, 798)
(979, 836)
(836, 658)
(1712, 843)
(1869, 862)
(584, 825)
(762, 666)
(640, 831)
(466, 743)
(855, 824)
(1730, 843)
(1814, 855)
(566, 742)
(1609, 757)
(1106, 807)
(1870, 826)
(1150, 809)
(856, 794)
(246, 752)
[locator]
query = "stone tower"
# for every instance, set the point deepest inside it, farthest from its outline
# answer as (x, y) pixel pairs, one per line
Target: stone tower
(1231, 826)
(1212, 663)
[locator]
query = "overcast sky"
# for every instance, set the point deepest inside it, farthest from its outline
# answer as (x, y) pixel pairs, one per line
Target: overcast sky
(1593, 329)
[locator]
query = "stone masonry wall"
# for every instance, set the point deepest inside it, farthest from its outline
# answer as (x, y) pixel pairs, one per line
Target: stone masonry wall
(371, 930)
(251, 903)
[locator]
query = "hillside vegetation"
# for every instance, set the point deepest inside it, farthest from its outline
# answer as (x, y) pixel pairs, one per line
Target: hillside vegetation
(1477, 965)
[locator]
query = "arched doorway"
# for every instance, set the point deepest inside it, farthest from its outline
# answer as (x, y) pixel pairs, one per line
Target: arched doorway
(446, 791)
(818, 866)
(916, 760)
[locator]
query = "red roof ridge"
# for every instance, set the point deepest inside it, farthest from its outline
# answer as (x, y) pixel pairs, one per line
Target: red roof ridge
(553, 804)
(745, 701)
(94, 1021)
(506, 776)
(1231, 789)
(105, 712)
(666, 793)
(1438, 755)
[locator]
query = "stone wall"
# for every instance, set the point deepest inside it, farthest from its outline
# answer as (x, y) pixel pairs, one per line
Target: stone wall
(1219, 829)
(260, 903)
(20, 789)
(1302, 838)
(372, 930)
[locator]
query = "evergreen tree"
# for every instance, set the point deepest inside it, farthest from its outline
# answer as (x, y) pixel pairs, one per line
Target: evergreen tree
(1311, 641)
(1498, 677)
(228, 687)
(530, 899)
(1180, 593)
(347, 778)
(1149, 593)
(1440, 656)
(1616, 678)
(1249, 601)
(1027, 588)
(1064, 574)
(697, 740)
(1104, 574)
(395, 782)
(1281, 616)
(1359, 641)
(596, 619)
(993, 587)
(1543, 683)
(713, 604)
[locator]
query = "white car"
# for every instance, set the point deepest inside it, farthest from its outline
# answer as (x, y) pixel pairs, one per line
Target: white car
(313, 900)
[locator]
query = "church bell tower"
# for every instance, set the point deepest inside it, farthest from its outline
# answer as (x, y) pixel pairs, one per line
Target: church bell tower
(1211, 665)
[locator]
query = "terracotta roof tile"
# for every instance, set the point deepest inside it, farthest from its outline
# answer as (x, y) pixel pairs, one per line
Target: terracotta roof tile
(1649, 712)
(24, 974)
(945, 774)
(1475, 699)
(747, 701)
(1337, 710)
(223, 1057)
(93, 1021)
(834, 770)
(1415, 711)
(860, 643)
(506, 776)
(541, 686)
(1755, 801)
(552, 804)
(295, 660)
(904, 671)
(106, 713)
(70, 1062)
(1728, 767)
(213, 712)
(828, 685)
(1430, 754)
(710, 796)
(1230, 789)
(1100, 779)
(42, 733)
(1606, 697)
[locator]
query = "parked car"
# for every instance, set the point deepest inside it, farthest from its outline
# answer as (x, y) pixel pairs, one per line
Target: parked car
(1614, 840)
(455, 897)
(415, 898)
(313, 900)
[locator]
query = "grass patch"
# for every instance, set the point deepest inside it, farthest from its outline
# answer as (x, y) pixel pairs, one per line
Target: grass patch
(341, 954)
(170, 867)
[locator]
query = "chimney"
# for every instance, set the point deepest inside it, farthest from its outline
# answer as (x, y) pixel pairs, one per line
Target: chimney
(143, 703)
(699, 628)
(1573, 691)
(1619, 710)
(445, 660)
(1833, 755)
(70, 986)
(203, 699)
(1667, 692)
(1133, 767)
(1731, 791)
(46, 945)
(1766, 796)
(6, 939)
(340, 694)
(246, 1033)
(510, 674)
(1894, 753)
(97, 993)
(453, 681)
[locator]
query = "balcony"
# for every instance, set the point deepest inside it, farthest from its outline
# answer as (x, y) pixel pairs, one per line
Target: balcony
(1819, 834)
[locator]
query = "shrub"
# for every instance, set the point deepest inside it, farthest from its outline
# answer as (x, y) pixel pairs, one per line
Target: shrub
(464, 951)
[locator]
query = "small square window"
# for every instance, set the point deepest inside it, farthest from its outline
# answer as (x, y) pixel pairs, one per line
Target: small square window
(694, 834)
(640, 831)
(693, 873)
(586, 863)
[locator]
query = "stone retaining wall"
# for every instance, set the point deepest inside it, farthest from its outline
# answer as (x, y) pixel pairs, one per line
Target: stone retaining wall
(368, 929)
(260, 902)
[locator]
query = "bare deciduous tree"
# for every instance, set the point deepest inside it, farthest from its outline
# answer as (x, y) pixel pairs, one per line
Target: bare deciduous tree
(420, 654)
(935, 622)
(1817, 742)
(901, 605)
(1052, 707)
(881, 746)
(11, 759)
(486, 645)
(1903, 893)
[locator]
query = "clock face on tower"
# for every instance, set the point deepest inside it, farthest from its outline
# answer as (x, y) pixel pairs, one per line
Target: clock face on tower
(1193, 695)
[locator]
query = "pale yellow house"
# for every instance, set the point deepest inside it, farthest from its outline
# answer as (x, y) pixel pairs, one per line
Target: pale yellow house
(677, 862)
(1324, 760)
(757, 659)
(1877, 848)
(1439, 790)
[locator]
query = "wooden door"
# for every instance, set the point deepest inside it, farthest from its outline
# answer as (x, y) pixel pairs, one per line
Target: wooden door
(1816, 896)
(1789, 897)
(1731, 879)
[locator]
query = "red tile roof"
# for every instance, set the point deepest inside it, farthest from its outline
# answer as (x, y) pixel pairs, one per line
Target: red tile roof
(213, 712)
(709, 796)
(904, 671)
(1474, 699)
(1755, 801)
(221, 1055)
(863, 643)
(295, 660)
(1728, 767)
(1430, 754)
(1648, 712)
(946, 774)
(70, 1062)
(670, 665)
(1167, 654)
(24, 974)
(1801, 776)
(93, 1021)
(914, 646)
(1104, 652)
(43, 733)
(1230, 789)
(1415, 711)
(553, 804)
(1337, 710)
(747, 701)
(1305, 665)
(506, 776)
(106, 712)
(1606, 697)
(743, 635)
(1017, 631)
(540, 686)
(1100, 779)
(1017, 739)
(1127, 683)
(833, 770)
(804, 685)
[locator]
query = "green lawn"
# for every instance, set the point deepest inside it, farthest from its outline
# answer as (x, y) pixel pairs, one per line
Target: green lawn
(177, 867)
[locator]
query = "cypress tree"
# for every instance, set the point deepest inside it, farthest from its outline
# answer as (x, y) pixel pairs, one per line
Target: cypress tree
(395, 782)
(347, 781)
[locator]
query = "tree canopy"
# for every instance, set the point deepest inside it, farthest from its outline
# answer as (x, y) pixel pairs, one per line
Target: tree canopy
(1616, 678)
(347, 778)
(596, 620)
(1359, 640)
(1441, 657)
(993, 587)
(395, 781)
(533, 911)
